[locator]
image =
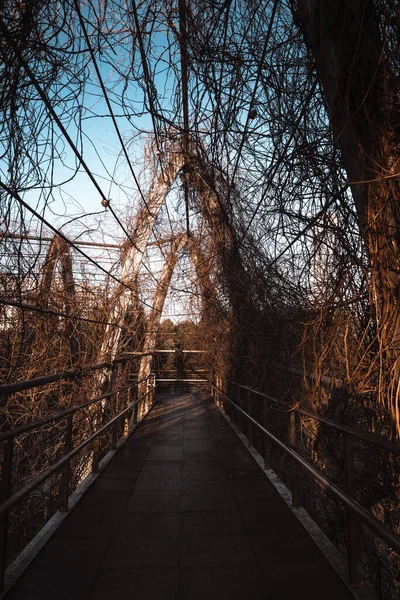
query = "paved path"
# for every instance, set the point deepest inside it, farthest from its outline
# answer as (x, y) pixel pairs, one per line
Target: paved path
(181, 513)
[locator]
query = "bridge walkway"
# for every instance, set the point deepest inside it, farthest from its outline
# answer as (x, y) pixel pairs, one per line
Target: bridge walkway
(182, 512)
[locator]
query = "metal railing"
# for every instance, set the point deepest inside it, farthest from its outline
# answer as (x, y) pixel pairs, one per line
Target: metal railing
(356, 514)
(19, 386)
(118, 427)
(178, 382)
(187, 380)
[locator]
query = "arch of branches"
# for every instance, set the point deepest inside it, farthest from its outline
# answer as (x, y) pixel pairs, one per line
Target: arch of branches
(281, 117)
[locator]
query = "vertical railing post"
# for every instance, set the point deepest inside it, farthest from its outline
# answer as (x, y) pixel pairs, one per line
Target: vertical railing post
(156, 366)
(152, 389)
(250, 435)
(216, 392)
(144, 399)
(128, 396)
(119, 382)
(114, 435)
(113, 376)
(353, 523)
(5, 492)
(219, 394)
(267, 442)
(128, 402)
(96, 443)
(124, 373)
(151, 386)
(236, 414)
(266, 451)
(135, 394)
(153, 397)
(63, 490)
(148, 392)
(113, 385)
(96, 455)
(111, 410)
(295, 475)
(176, 360)
(146, 403)
(241, 420)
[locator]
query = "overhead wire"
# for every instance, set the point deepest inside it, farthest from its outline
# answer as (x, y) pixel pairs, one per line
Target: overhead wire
(55, 313)
(54, 115)
(153, 112)
(109, 106)
(149, 86)
(24, 204)
(49, 107)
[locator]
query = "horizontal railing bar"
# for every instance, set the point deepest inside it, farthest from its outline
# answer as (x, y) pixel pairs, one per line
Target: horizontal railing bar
(12, 433)
(382, 530)
(181, 351)
(185, 370)
(40, 479)
(11, 388)
(126, 354)
(179, 380)
(367, 437)
(263, 394)
(6, 234)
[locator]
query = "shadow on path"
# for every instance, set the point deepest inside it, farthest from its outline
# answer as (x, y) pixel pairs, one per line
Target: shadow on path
(182, 512)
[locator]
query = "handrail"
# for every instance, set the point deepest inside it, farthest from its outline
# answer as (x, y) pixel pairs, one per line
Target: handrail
(186, 370)
(6, 506)
(384, 532)
(362, 435)
(184, 380)
(12, 433)
(27, 384)
(63, 465)
(182, 351)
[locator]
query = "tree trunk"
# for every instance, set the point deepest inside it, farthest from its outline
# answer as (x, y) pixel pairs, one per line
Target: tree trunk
(133, 255)
(153, 322)
(359, 91)
(60, 251)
